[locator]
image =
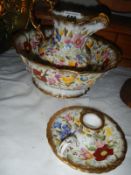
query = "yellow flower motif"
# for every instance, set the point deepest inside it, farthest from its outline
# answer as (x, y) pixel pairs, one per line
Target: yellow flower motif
(41, 51)
(98, 57)
(72, 63)
(70, 34)
(55, 33)
(68, 79)
(86, 130)
(77, 121)
(78, 80)
(57, 142)
(61, 32)
(108, 132)
(62, 59)
(89, 43)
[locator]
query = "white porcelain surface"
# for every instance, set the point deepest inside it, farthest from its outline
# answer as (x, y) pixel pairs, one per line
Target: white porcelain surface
(92, 120)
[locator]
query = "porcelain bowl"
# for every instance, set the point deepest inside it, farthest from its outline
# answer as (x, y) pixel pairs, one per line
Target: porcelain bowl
(65, 80)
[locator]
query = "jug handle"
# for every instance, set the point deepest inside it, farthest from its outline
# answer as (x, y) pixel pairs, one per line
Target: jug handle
(95, 24)
(50, 5)
(32, 18)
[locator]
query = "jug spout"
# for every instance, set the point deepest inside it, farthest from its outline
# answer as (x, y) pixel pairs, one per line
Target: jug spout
(95, 24)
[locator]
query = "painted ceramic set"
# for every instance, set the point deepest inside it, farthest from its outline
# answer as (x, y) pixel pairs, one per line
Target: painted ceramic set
(68, 64)
(86, 139)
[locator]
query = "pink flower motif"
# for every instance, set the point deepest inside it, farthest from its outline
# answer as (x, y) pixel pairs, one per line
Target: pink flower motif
(106, 54)
(35, 40)
(57, 76)
(86, 154)
(67, 41)
(51, 81)
(59, 62)
(78, 40)
(68, 117)
(34, 44)
(99, 144)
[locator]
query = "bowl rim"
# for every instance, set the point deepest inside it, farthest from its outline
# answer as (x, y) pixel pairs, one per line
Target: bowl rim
(35, 59)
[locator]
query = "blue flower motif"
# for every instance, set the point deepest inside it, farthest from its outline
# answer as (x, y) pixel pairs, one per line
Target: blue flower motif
(67, 46)
(58, 36)
(83, 78)
(53, 42)
(79, 56)
(65, 131)
(57, 125)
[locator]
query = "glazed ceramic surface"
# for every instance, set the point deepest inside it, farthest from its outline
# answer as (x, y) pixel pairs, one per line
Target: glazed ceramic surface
(94, 144)
(67, 47)
(67, 64)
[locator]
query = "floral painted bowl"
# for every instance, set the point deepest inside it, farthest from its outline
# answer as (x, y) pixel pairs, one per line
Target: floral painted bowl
(61, 76)
(86, 139)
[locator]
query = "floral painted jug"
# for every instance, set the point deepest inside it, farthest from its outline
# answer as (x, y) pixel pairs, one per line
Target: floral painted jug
(67, 45)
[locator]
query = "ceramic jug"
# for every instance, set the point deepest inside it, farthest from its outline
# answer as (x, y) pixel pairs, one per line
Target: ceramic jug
(67, 44)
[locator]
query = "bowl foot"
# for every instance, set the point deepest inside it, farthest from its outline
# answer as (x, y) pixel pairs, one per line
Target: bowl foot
(60, 93)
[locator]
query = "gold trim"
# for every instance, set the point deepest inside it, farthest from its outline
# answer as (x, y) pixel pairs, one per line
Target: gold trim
(37, 27)
(85, 20)
(89, 169)
(89, 111)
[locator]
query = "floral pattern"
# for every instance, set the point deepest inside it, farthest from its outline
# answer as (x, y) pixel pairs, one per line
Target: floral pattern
(86, 146)
(61, 79)
(64, 80)
(77, 40)
(70, 49)
(103, 152)
(78, 50)
(85, 154)
(63, 129)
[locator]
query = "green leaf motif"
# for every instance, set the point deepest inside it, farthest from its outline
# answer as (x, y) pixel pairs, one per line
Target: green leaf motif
(92, 148)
